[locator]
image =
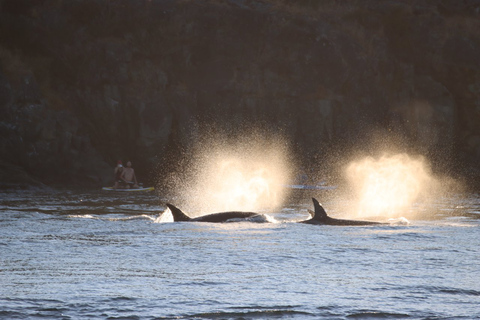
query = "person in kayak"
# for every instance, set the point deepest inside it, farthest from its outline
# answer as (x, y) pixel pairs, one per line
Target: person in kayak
(119, 183)
(128, 176)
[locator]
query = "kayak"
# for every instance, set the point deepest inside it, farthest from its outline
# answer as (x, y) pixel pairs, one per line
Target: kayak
(129, 190)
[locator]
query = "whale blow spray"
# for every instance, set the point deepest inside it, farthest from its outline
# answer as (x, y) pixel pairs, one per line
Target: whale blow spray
(388, 186)
(244, 172)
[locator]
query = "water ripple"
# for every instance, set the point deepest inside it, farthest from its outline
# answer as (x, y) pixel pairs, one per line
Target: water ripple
(94, 256)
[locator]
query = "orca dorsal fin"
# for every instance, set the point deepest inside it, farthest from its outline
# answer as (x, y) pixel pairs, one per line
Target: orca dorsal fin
(178, 214)
(320, 214)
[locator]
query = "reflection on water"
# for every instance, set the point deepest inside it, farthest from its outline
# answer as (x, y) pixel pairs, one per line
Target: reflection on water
(95, 255)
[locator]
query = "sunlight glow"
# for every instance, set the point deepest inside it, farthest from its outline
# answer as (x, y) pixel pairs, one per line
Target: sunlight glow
(388, 186)
(242, 184)
(241, 174)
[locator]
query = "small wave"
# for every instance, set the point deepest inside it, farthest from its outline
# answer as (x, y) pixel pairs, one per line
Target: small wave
(270, 219)
(259, 313)
(12, 315)
(82, 216)
(120, 298)
(89, 216)
(142, 216)
(165, 216)
(463, 292)
(444, 290)
(399, 221)
(377, 315)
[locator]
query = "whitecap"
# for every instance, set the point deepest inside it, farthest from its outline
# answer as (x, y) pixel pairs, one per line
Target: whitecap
(402, 221)
(83, 216)
(165, 216)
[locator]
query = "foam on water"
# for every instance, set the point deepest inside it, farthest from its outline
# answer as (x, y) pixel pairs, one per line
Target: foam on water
(402, 221)
(82, 216)
(165, 216)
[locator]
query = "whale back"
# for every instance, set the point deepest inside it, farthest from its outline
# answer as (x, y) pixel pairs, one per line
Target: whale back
(178, 214)
(225, 216)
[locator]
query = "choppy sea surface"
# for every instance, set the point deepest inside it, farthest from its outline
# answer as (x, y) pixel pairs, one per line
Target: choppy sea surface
(105, 255)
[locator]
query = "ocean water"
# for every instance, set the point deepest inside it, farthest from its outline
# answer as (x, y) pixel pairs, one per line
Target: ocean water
(102, 255)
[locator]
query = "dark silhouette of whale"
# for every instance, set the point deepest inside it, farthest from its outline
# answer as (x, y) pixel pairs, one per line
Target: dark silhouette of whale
(319, 216)
(179, 215)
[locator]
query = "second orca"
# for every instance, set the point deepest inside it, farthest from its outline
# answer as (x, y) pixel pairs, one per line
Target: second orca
(319, 216)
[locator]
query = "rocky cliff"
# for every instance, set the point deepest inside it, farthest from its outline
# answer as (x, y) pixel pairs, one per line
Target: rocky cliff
(86, 82)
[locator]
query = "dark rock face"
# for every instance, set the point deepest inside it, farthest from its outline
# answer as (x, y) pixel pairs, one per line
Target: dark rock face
(84, 83)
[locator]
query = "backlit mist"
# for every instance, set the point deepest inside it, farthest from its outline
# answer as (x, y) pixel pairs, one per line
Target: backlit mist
(241, 174)
(389, 185)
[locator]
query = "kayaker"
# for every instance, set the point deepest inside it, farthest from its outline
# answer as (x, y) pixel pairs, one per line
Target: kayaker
(128, 175)
(119, 183)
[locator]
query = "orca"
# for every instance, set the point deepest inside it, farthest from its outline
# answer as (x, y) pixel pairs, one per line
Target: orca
(319, 216)
(179, 215)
